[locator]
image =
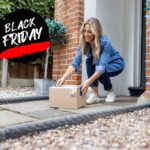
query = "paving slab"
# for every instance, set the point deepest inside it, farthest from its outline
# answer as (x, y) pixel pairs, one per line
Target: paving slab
(10, 118)
(122, 98)
(126, 98)
(121, 103)
(17, 113)
(1, 146)
(1, 108)
(52, 113)
(27, 106)
(92, 108)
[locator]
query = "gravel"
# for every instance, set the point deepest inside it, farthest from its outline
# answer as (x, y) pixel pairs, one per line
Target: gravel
(130, 131)
(11, 92)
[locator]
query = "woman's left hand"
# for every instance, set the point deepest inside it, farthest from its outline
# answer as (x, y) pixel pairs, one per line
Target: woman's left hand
(85, 86)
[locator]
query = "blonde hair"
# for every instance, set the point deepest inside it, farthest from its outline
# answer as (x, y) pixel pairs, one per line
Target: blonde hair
(96, 30)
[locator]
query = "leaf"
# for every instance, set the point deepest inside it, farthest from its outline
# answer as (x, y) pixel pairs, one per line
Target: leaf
(56, 31)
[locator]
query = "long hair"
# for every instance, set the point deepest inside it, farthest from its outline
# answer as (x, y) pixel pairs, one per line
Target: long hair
(96, 30)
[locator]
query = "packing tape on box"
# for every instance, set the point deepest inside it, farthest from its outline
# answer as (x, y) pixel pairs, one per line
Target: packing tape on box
(73, 92)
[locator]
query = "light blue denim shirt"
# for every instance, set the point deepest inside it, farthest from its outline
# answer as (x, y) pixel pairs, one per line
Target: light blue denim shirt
(109, 58)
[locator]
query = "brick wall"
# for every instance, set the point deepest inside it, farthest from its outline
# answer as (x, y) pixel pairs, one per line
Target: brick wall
(71, 13)
(145, 97)
(148, 52)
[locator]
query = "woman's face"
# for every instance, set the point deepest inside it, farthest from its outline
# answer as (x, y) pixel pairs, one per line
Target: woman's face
(88, 36)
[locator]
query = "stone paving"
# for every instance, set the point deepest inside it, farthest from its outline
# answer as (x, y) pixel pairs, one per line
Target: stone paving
(17, 113)
(8, 117)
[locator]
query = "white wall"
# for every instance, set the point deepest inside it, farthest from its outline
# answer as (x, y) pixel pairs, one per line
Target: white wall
(90, 8)
(120, 20)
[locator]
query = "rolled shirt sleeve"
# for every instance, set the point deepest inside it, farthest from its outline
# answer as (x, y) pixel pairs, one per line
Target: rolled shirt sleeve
(103, 60)
(77, 60)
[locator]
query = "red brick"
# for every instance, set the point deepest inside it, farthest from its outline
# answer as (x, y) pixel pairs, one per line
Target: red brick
(147, 41)
(148, 49)
(148, 72)
(148, 26)
(147, 87)
(148, 34)
(69, 61)
(72, 82)
(147, 79)
(147, 65)
(71, 13)
(76, 77)
(147, 56)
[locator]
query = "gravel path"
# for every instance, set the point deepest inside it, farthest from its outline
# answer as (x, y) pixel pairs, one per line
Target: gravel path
(129, 131)
(11, 92)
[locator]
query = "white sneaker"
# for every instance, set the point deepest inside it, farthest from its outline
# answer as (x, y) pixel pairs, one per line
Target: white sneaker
(110, 97)
(93, 98)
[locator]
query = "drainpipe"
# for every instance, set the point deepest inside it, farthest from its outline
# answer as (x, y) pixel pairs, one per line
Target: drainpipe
(4, 73)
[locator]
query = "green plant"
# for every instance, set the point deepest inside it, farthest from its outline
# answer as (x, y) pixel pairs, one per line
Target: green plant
(147, 5)
(44, 8)
(5, 7)
(57, 32)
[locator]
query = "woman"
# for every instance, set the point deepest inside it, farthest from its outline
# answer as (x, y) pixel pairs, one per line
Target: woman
(102, 61)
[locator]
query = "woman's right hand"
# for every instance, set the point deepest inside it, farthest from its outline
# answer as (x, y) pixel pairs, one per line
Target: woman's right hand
(60, 81)
(68, 72)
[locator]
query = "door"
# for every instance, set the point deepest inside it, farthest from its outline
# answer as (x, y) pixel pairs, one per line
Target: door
(122, 22)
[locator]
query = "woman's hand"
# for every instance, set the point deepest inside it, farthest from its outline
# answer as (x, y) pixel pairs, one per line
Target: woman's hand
(85, 86)
(60, 81)
(68, 72)
(86, 83)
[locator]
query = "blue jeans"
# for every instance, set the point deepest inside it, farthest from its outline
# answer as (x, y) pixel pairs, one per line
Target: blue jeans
(104, 78)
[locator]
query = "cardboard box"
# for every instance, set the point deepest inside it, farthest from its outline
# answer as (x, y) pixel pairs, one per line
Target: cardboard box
(66, 97)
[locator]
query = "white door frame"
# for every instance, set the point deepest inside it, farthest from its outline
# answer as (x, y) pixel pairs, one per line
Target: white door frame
(125, 35)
